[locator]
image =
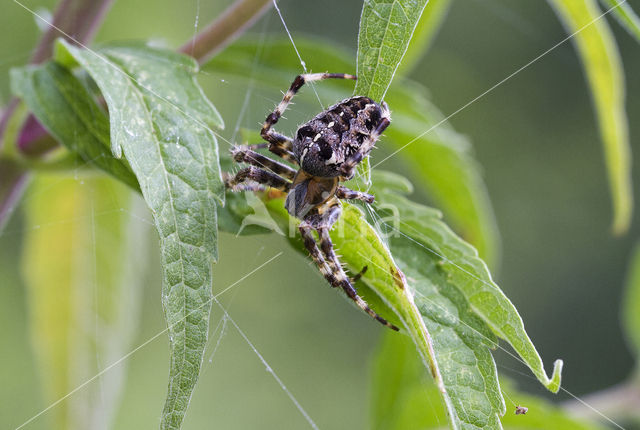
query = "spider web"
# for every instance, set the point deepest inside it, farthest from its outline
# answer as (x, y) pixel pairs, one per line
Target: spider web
(222, 327)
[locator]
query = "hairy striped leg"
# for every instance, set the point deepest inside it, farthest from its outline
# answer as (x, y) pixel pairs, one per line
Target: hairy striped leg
(345, 193)
(334, 264)
(280, 144)
(330, 266)
(258, 175)
(244, 154)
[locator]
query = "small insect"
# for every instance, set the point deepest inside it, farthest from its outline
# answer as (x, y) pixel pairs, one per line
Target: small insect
(326, 150)
(521, 410)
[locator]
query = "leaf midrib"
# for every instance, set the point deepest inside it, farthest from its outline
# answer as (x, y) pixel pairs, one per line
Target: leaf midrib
(147, 113)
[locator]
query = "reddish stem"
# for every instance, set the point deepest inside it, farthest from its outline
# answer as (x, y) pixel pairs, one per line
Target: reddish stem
(229, 25)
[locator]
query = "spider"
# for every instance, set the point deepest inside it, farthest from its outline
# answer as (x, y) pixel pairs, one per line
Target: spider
(327, 150)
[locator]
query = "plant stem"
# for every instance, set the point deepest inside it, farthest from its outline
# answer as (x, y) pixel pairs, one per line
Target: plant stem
(79, 19)
(229, 25)
(13, 182)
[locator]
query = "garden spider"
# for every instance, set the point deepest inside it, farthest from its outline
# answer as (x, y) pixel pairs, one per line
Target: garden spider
(327, 149)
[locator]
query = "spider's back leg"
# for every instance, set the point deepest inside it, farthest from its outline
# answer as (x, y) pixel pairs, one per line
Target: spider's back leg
(328, 262)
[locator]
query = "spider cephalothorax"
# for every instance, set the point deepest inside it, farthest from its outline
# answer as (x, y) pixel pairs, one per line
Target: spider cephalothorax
(327, 150)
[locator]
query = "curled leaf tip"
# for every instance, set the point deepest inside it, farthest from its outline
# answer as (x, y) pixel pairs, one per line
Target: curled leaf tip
(554, 384)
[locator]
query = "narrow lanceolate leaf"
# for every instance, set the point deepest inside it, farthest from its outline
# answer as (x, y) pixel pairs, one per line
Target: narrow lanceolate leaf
(66, 109)
(621, 10)
(160, 120)
(603, 67)
(468, 273)
(83, 263)
(386, 28)
(434, 314)
(441, 293)
(631, 304)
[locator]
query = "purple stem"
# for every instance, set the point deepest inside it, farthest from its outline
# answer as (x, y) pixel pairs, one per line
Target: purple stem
(12, 185)
(77, 19)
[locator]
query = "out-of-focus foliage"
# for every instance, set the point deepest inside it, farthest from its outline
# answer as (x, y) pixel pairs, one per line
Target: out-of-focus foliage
(82, 263)
(603, 67)
(631, 304)
(626, 16)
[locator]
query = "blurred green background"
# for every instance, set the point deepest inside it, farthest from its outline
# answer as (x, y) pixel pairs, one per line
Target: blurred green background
(535, 138)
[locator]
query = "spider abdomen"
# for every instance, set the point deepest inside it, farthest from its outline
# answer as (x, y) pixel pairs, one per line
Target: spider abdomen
(324, 143)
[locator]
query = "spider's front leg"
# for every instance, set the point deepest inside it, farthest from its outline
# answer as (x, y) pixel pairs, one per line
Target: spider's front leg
(345, 193)
(328, 262)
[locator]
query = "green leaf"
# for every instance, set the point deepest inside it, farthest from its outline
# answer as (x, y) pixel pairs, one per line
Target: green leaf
(627, 18)
(461, 340)
(66, 109)
(360, 245)
(601, 61)
(386, 28)
(440, 160)
(403, 399)
(428, 26)
(453, 317)
(631, 304)
(160, 120)
(82, 263)
(422, 226)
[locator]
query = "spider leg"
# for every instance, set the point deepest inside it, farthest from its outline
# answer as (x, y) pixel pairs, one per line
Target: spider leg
(258, 175)
(358, 275)
(345, 193)
(279, 144)
(245, 155)
(328, 262)
(334, 264)
(282, 150)
(348, 166)
(253, 187)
